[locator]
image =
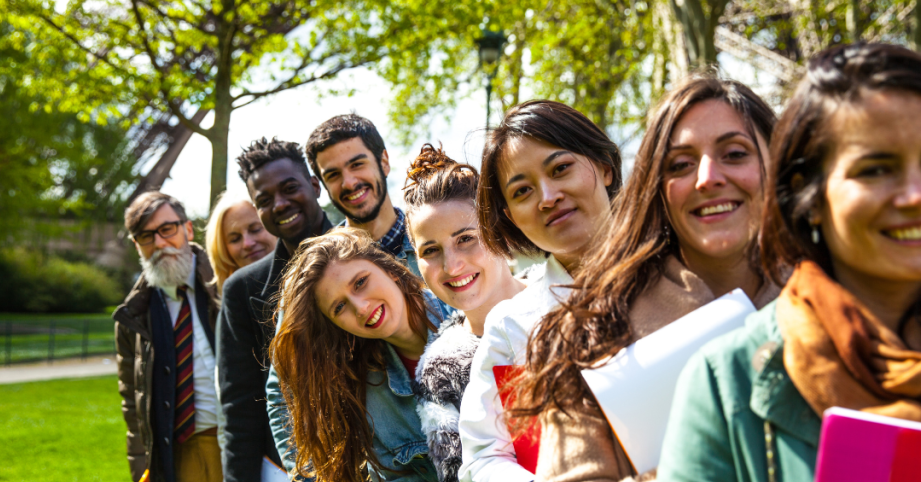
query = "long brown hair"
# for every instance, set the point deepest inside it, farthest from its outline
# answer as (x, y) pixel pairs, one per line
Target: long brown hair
(544, 120)
(626, 260)
(796, 180)
(322, 369)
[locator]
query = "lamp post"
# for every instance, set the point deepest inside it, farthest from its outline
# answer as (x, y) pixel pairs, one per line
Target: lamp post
(490, 44)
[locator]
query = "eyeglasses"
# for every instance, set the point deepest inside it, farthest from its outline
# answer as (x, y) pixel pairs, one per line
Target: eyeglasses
(165, 230)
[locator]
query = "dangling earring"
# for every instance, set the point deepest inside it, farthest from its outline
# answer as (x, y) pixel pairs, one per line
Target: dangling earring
(351, 346)
(667, 231)
(815, 234)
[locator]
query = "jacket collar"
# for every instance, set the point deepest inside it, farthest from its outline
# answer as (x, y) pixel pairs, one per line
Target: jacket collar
(133, 312)
(280, 259)
(774, 397)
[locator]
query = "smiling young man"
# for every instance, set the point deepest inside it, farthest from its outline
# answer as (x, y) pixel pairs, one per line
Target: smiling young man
(285, 196)
(164, 335)
(348, 155)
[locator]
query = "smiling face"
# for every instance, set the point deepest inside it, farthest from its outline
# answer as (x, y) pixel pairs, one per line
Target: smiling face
(245, 238)
(557, 198)
(712, 182)
(286, 200)
(357, 185)
(363, 300)
(871, 218)
(455, 266)
(179, 241)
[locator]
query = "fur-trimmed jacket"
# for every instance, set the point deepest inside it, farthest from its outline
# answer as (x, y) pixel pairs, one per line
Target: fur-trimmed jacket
(441, 377)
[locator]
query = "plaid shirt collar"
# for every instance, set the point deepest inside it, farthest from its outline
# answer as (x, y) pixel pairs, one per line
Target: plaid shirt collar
(392, 242)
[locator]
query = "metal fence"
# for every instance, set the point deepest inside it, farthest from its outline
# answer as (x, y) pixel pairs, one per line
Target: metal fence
(35, 339)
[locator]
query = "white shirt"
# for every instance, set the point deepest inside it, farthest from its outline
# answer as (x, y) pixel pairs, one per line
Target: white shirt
(202, 356)
(488, 454)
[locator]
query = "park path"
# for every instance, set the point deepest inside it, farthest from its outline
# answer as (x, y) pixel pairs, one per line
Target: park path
(91, 367)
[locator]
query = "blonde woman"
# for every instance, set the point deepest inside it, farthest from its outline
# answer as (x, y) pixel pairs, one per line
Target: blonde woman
(235, 237)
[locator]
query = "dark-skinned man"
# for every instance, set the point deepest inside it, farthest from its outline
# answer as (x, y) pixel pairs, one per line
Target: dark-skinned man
(285, 196)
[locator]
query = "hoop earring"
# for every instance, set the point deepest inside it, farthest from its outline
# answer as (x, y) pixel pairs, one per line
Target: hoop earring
(815, 234)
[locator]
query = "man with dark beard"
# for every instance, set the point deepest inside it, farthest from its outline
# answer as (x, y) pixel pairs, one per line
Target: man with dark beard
(348, 155)
(285, 196)
(164, 334)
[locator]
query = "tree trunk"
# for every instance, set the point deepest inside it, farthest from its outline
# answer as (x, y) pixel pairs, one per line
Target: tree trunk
(917, 32)
(699, 22)
(223, 102)
(853, 20)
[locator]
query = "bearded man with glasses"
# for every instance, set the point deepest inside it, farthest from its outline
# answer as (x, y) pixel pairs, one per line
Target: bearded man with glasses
(164, 335)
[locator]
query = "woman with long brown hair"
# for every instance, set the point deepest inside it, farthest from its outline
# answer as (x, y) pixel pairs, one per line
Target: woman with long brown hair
(441, 219)
(843, 206)
(683, 233)
(548, 176)
(354, 321)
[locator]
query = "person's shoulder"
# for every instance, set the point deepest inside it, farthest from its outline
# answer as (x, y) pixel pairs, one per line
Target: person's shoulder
(732, 354)
(524, 306)
(255, 274)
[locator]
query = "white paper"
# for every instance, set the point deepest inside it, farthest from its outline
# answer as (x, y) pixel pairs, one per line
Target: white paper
(635, 388)
(271, 472)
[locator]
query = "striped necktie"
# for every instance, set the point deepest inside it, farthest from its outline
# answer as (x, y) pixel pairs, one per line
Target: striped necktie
(185, 389)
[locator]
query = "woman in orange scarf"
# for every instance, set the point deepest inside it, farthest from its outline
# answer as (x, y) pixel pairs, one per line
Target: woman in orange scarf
(843, 207)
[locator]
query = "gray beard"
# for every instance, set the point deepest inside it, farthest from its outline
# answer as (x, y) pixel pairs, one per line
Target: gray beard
(168, 271)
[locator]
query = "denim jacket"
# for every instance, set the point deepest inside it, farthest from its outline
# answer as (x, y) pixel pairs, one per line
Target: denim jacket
(399, 443)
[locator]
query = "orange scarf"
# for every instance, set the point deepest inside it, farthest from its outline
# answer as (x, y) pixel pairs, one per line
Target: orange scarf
(837, 353)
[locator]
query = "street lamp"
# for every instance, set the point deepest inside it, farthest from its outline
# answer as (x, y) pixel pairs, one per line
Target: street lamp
(490, 44)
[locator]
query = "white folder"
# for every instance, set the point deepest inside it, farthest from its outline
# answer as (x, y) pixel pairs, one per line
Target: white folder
(636, 386)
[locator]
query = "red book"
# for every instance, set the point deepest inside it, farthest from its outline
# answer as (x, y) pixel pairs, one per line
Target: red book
(527, 446)
(863, 447)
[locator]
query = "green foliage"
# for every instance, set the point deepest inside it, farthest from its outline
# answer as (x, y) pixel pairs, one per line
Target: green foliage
(335, 215)
(62, 430)
(591, 55)
(54, 165)
(127, 61)
(31, 282)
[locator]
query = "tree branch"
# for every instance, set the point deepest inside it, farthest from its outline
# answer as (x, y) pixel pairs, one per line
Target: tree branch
(102, 58)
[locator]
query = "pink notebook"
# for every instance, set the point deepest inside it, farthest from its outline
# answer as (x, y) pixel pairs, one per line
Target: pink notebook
(858, 446)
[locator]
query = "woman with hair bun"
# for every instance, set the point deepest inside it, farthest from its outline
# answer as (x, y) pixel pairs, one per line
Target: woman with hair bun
(843, 207)
(441, 219)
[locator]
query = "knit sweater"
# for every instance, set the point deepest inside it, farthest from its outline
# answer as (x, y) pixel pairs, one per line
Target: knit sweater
(441, 377)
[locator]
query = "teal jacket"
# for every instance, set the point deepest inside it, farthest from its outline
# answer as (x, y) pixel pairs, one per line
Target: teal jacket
(736, 415)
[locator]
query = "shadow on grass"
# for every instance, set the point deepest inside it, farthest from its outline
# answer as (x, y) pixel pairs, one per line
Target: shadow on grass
(62, 430)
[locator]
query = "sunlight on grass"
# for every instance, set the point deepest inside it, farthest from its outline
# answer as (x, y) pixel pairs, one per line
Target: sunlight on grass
(62, 430)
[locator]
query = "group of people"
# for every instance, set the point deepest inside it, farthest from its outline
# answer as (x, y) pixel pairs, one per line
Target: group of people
(366, 351)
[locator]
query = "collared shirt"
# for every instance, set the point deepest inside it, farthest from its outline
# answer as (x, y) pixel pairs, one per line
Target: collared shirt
(392, 242)
(202, 356)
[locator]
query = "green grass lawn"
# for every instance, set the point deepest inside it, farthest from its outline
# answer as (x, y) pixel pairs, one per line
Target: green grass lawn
(62, 430)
